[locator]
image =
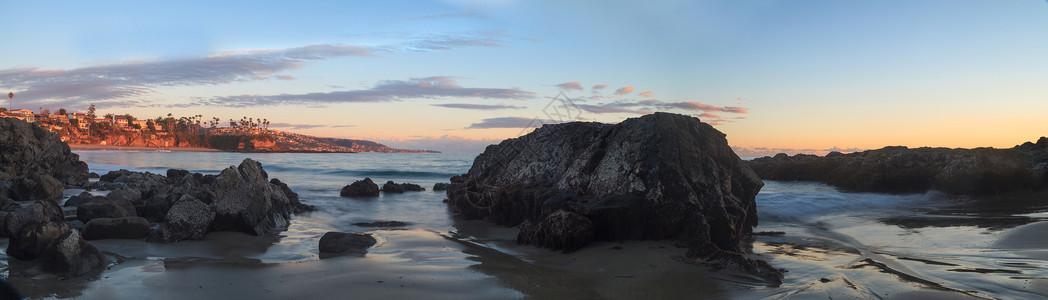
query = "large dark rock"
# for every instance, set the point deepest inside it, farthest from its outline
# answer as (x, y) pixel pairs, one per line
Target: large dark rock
(245, 201)
(346, 242)
(189, 219)
(291, 196)
(70, 255)
(82, 198)
(976, 171)
(660, 176)
(33, 227)
(28, 150)
(116, 228)
(37, 187)
(102, 207)
(360, 188)
(391, 187)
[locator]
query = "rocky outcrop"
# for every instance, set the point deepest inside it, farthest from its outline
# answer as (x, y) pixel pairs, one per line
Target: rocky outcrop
(976, 171)
(392, 187)
(116, 228)
(102, 207)
(345, 242)
(440, 186)
(240, 198)
(34, 163)
(360, 188)
(660, 176)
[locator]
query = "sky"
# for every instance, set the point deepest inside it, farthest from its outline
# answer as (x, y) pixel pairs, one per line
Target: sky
(798, 76)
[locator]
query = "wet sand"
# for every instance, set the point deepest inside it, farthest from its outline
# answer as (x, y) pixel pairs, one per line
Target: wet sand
(92, 147)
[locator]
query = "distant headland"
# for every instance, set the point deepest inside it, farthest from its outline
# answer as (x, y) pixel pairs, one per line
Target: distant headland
(189, 133)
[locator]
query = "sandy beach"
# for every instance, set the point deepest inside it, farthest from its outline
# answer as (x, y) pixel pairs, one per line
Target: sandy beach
(92, 147)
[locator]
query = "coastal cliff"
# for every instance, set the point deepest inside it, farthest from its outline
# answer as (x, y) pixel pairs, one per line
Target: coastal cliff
(660, 176)
(978, 171)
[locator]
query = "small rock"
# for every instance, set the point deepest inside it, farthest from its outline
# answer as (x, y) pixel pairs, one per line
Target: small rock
(345, 242)
(82, 198)
(188, 219)
(104, 208)
(360, 188)
(391, 187)
(93, 175)
(440, 186)
(381, 224)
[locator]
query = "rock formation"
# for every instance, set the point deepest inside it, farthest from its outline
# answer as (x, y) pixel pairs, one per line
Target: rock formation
(360, 188)
(903, 170)
(345, 242)
(660, 176)
(392, 187)
(188, 205)
(34, 163)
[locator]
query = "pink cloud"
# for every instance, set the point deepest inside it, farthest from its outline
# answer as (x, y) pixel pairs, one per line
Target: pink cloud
(624, 90)
(570, 86)
(647, 94)
(599, 87)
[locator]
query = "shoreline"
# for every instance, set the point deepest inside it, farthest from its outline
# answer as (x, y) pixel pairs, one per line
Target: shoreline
(93, 147)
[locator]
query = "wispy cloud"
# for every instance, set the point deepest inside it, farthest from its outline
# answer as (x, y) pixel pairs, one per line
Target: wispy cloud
(478, 106)
(570, 86)
(696, 106)
(509, 122)
(647, 94)
(385, 91)
(111, 84)
(624, 90)
(599, 87)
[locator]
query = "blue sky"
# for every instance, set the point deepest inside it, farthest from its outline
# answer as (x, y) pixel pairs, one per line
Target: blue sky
(776, 76)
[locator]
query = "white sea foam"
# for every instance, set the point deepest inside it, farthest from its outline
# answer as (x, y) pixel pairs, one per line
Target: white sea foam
(780, 200)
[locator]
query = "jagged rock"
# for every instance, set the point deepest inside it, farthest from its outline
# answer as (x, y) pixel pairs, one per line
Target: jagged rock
(116, 228)
(36, 187)
(291, 196)
(188, 219)
(93, 175)
(102, 207)
(9, 205)
(381, 224)
(904, 170)
(391, 187)
(440, 186)
(360, 188)
(659, 176)
(411, 187)
(29, 149)
(33, 227)
(245, 201)
(346, 242)
(560, 230)
(70, 255)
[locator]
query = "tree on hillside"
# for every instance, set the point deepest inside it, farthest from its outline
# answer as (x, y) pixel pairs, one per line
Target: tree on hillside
(3, 109)
(108, 116)
(91, 112)
(62, 111)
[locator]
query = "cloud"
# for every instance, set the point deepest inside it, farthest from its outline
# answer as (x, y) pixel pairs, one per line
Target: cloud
(599, 87)
(291, 126)
(445, 144)
(478, 106)
(510, 122)
(605, 109)
(570, 86)
(647, 94)
(385, 91)
(447, 16)
(705, 107)
(284, 77)
(112, 84)
(624, 90)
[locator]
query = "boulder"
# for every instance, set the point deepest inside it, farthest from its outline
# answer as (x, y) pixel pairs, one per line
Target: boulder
(70, 255)
(440, 186)
(102, 207)
(659, 176)
(346, 242)
(245, 201)
(27, 149)
(188, 219)
(116, 228)
(9, 205)
(33, 227)
(391, 187)
(291, 196)
(411, 187)
(560, 230)
(82, 198)
(37, 187)
(360, 188)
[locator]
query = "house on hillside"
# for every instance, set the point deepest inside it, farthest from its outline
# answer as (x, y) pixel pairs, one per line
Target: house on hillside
(143, 124)
(82, 120)
(22, 112)
(121, 121)
(29, 119)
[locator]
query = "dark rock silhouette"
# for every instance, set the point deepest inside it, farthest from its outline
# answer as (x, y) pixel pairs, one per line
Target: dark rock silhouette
(116, 228)
(346, 242)
(392, 187)
(386, 224)
(70, 255)
(360, 188)
(102, 207)
(440, 186)
(660, 176)
(33, 227)
(976, 171)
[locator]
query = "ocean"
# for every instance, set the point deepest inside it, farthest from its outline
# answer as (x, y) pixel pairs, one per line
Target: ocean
(833, 243)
